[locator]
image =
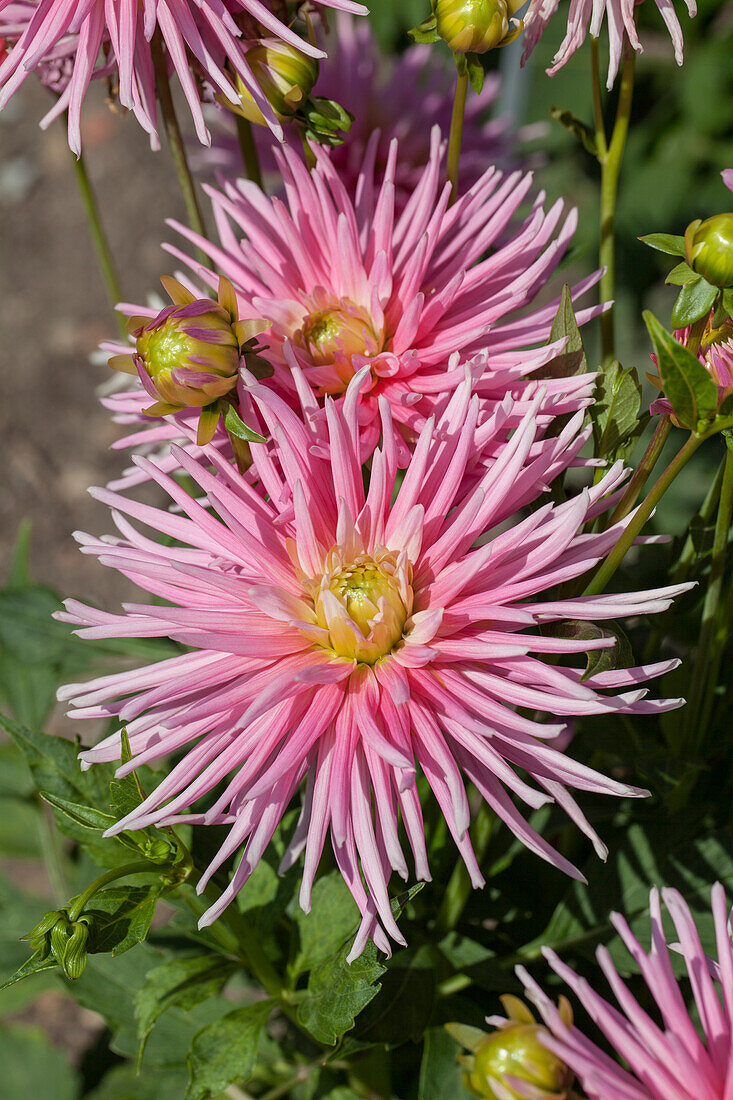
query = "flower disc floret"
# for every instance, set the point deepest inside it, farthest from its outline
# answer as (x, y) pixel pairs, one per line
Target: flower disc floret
(364, 604)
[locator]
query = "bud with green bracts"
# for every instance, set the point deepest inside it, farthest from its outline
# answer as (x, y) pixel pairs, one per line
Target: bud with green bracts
(189, 354)
(511, 1063)
(285, 75)
(476, 26)
(709, 249)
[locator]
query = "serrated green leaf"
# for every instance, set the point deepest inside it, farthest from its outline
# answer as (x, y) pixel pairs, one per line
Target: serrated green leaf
(615, 412)
(576, 127)
(665, 242)
(182, 982)
(236, 426)
(225, 1051)
(82, 814)
(122, 916)
(333, 917)
(695, 300)
(688, 386)
(441, 1076)
(681, 275)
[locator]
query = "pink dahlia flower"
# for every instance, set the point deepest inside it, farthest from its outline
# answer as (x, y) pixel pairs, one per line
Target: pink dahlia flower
(668, 1057)
(586, 16)
(348, 637)
(95, 38)
(348, 283)
(402, 97)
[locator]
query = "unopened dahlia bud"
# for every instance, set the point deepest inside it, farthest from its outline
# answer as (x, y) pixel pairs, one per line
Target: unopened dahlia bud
(512, 1061)
(69, 945)
(285, 75)
(709, 249)
(473, 26)
(188, 356)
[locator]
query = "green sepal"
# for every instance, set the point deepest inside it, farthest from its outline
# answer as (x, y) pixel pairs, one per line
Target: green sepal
(236, 426)
(475, 71)
(426, 32)
(576, 127)
(727, 301)
(687, 385)
(681, 275)
(665, 242)
(694, 301)
(324, 120)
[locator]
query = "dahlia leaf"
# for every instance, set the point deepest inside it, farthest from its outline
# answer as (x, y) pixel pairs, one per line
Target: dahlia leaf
(333, 917)
(403, 1009)
(225, 1051)
(694, 301)
(615, 414)
(475, 71)
(87, 816)
(618, 655)
(236, 426)
(665, 242)
(41, 960)
(572, 359)
(122, 916)
(338, 991)
(182, 982)
(688, 386)
(681, 275)
(33, 1066)
(441, 1077)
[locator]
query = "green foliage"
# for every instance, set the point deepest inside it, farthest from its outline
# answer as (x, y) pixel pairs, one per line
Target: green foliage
(571, 360)
(687, 385)
(578, 129)
(225, 1051)
(615, 412)
(31, 1066)
(441, 1077)
(694, 301)
(665, 242)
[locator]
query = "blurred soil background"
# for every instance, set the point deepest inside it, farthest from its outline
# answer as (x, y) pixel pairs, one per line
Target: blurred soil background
(53, 312)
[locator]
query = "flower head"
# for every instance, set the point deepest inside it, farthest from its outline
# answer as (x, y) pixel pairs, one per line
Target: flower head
(348, 283)
(709, 249)
(349, 635)
(668, 1057)
(203, 40)
(586, 16)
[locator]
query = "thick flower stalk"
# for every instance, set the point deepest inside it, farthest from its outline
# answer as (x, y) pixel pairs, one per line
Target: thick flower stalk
(349, 637)
(349, 283)
(586, 17)
(665, 1056)
(204, 39)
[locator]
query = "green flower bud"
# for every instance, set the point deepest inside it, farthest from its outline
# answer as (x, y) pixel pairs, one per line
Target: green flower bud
(285, 75)
(158, 851)
(473, 26)
(709, 249)
(39, 937)
(511, 1055)
(188, 356)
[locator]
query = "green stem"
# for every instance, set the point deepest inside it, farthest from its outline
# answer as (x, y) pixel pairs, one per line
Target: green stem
(456, 133)
(643, 470)
(608, 567)
(459, 887)
(707, 656)
(137, 867)
(610, 159)
(249, 149)
(175, 138)
(99, 240)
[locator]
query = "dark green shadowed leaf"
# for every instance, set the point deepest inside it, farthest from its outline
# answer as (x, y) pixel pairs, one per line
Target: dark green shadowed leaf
(572, 359)
(575, 126)
(688, 386)
(694, 301)
(181, 982)
(122, 916)
(441, 1077)
(225, 1051)
(665, 242)
(333, 917)
(615, 412)
(617, 655)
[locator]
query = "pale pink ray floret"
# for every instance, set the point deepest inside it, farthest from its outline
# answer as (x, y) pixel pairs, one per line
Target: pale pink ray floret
(586, 17)
(348, 283)
(204, 39)
(347, 637)
(665, 1056)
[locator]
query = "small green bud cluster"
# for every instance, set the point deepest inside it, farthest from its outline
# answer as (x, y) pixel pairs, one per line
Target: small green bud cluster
(66, 939)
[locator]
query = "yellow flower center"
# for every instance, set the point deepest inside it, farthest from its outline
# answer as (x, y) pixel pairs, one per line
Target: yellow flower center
(364, 604)
(331, 336)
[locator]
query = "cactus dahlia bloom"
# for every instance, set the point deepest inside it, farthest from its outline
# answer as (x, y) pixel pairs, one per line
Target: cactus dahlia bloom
(586, 17)
(348, 637)
(201, 37)
(348, 283)
(668, 1057)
